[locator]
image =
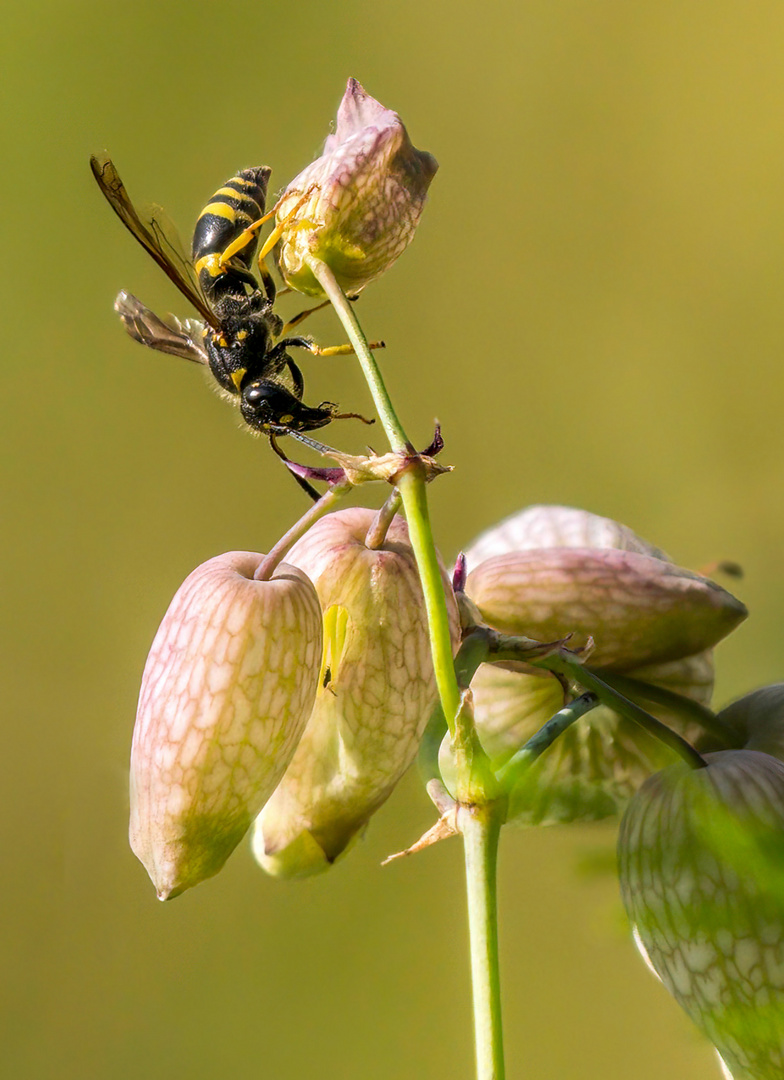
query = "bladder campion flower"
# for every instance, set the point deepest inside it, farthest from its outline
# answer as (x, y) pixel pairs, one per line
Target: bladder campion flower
(358, 205)
(550, 571)
(226, 692)
(375, 695)
(700, 856)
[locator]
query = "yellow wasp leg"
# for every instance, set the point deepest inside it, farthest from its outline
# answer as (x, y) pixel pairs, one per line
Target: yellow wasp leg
(239, 243)
(247, 235)
(279, 229)
(341, 350)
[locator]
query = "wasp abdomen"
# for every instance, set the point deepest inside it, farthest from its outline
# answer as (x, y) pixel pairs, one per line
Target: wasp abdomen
(234, 206)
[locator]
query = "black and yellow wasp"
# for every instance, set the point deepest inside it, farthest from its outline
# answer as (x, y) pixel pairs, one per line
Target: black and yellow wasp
(241, 339)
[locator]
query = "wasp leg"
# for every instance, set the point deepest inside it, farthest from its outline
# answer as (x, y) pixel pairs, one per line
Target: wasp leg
(352, 416)
(343, 350)
(302, 316)
(299, 382)
(267, 281)
(329, 350)
(309, 490)
(238, 271)
(277, 359)
(247, 236)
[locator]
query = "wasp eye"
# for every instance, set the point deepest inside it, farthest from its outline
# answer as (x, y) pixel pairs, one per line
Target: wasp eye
(263, 398)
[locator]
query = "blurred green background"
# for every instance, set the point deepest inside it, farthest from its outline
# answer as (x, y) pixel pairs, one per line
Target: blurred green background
(592, 308)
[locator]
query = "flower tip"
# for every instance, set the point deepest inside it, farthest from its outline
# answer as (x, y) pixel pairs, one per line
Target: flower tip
(459, 573)
(303, 857)
(357, 110)
(179, 855)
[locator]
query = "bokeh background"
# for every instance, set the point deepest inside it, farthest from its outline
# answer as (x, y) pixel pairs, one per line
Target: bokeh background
(592, 308)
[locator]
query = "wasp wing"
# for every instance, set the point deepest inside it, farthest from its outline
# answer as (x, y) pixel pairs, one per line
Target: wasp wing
(154, 232)
(169, 336)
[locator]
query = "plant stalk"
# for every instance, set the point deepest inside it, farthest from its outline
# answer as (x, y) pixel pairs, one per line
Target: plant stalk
(411, 485)
(480, 824)
(276, 555)
(481, 829)
(345, 312)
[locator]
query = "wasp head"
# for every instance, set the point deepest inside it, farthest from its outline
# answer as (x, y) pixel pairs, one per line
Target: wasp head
(269, 407)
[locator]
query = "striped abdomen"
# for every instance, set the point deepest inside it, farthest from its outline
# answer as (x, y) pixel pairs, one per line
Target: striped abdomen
(234, 206)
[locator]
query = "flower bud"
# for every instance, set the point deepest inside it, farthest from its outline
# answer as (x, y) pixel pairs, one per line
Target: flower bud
(545, 526)
(226, 692)
(700, 855)
(552, 570)
(376, 692)
(638, 609)
(357, 206)
(757, 719)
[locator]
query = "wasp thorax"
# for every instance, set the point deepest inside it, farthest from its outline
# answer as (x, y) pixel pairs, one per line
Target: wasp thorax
(243, 342)
(376, 691)
(552, 571)
(357, 206)
(700, 855)
(227, 689)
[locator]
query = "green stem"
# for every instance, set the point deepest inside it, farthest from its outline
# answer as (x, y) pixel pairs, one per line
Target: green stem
(586, 678)
(299, 528)
(686, 709)
(329, 283)
(481, 828)
(481, 824)
(589, 680)
(377, 533)
(411, 485)
(518, 765)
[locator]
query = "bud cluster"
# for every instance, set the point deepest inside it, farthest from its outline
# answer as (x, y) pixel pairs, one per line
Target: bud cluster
(552, 571)
(315, 686)
(301, 701)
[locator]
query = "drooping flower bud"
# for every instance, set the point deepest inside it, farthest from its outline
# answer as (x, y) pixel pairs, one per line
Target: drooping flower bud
(226, 692)
(700, 856)
(357, 206)
(550, 571)
(638, 609)
(375, 695)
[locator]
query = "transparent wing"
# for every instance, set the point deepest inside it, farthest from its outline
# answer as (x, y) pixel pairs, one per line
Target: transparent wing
(155, 233)
(169, 336)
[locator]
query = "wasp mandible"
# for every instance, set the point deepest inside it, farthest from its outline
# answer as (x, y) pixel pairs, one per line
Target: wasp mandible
(241, 339)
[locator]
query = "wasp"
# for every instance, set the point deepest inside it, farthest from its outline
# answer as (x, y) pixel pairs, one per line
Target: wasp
(240, 337)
